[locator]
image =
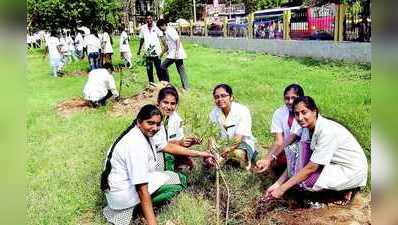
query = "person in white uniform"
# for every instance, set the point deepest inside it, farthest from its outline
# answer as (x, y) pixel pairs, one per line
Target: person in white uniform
(107, 50)
(335, 153)
(79, 43)
(130, 176)
(285, 129)
(234, 122)
(54, 51)
(71, 47)
(93, 50)
(173, 131)
(125, 51)
(149, 38)
(100, 86)
(176, 53)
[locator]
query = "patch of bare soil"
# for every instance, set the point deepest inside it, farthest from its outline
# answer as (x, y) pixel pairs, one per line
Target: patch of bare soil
(71, 106)
(129, 106)
(283, 212)
(76, 74)
(87, 218)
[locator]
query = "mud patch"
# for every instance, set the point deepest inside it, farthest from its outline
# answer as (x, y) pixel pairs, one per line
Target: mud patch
(286, 212)
(87, 218)
(71, 106)
(129, 106)
(76, 74)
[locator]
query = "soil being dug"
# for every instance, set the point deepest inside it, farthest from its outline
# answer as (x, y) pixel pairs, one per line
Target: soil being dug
(68, 107)
(292, 212)
(129, 106)
(77, 74)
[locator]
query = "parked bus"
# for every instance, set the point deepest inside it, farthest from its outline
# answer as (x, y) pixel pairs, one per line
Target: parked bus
(316, 23)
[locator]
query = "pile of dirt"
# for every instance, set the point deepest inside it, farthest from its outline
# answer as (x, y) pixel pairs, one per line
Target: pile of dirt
(77, 74)
(286, 212)
(68, 107)
(131, 105)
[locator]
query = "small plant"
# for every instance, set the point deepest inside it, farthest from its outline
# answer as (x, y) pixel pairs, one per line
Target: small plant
(129, 76)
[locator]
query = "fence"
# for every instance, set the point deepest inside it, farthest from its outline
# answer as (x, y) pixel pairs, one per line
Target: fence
(327, 22)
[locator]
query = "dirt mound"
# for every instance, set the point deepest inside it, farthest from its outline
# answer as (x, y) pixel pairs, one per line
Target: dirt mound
(285, 212)
(76, 74)
(131, 105)
(68, 107)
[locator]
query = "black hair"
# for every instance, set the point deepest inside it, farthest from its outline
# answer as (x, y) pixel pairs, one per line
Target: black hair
(108, 66)
(226, 87)
(308, 102)
(296, 88)
(169, 90)
(146, 112)
(149, 13)
(53, 33)
(161, 22)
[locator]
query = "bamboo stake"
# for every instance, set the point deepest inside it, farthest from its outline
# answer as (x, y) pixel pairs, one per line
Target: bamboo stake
(219, 174)
(218, 197)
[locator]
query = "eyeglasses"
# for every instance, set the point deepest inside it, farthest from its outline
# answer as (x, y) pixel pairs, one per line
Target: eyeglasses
(220, 96)
(287, 98)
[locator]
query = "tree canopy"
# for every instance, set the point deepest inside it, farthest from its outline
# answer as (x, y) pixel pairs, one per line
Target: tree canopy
(53, 14)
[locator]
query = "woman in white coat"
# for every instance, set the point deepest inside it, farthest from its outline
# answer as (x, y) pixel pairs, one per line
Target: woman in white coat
(131, 176)
(234, 121)
(285, 129)
(173, 131)
(337, 162)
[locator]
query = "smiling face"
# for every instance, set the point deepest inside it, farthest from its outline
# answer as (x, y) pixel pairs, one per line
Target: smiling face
(304, 116)
(149, 20)
(289, 98)
(168, 105)
(222, 99)
(150, 126)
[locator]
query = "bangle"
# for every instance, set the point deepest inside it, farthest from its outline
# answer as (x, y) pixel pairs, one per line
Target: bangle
(273, 156)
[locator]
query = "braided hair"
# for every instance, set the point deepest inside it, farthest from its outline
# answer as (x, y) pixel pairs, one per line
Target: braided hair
(145, 113)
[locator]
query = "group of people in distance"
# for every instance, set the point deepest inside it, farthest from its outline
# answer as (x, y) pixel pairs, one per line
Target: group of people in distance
(100, 85)
(151, 36)
(142, 165)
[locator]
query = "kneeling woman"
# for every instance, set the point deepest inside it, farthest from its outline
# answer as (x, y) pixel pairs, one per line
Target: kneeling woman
(234, 122)
(130, 176)
(330, 158)
(173, 131)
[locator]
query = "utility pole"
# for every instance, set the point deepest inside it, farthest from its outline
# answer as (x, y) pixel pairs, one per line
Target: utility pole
(230, 9)
(194, 11)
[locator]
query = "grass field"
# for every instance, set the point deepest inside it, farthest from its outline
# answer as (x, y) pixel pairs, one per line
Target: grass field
(65, 155)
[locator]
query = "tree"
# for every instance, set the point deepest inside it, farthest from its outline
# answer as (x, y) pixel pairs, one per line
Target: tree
(54, 14)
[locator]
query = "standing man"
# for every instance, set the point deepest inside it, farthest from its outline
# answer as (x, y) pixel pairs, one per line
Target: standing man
(125, 52)
(107, 50)
(79, 42)
(93, 50)
(176, 53)
(149, 37)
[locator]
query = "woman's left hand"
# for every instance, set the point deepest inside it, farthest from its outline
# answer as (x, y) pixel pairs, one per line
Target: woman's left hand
(206, 155)
(277, 192)
(224, 154)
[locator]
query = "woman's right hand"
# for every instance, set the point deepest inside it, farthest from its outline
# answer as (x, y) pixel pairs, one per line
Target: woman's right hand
(262, 165)
(267, 194)
(206, 155)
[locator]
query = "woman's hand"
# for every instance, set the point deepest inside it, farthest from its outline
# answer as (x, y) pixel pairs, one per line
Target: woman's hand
(206, 155)
(277, 192)
(262, 165)
(268, 192)
(189, 141)
(224, 154)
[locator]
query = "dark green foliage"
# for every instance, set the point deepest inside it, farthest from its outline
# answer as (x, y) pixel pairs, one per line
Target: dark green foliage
(53, 14)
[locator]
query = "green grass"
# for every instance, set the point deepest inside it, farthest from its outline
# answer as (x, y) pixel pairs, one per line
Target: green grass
(65, 155)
